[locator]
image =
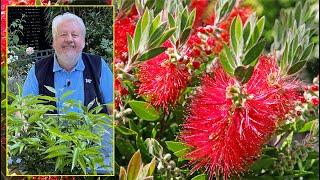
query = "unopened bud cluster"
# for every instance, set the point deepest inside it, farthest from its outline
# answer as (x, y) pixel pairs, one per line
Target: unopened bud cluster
(308, 105)
(289, 159)
(168, 167)
(206, 41)
(123, 114)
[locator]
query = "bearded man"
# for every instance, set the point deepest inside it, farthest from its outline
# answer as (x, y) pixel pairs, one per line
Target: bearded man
(87, 75)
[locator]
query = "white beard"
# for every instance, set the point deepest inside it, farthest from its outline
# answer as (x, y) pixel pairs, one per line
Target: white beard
(68, 60)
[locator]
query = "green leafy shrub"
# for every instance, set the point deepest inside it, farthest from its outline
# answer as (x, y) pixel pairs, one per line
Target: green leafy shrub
(64, 144)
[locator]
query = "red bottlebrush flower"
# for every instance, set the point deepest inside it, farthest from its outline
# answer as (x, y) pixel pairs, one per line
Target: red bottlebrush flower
(195, 52)
(243, 12)
(228, 123)
(315, 101)
(210, 41)
(314, 87)
(4, 3)
(200, 6)
(119, 88)
(122, 27)
(196, 64)
(161, 81)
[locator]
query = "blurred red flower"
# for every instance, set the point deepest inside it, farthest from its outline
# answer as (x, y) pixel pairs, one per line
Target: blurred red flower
(161, 81)
(228, 123)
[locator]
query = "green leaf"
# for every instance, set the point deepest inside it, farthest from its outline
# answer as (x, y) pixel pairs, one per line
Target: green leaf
(166, 35)
(145, 20)
(306, 53)
(59, 163)
(226, 65)
(287, 141)
(253, 53)
(246, 32)
(48, 98)
(66, 94)
(154, 147)
(144, 110)
(125, 131)
(15, 39)
(82, 164)
(257, 32)
(123, 174)
(264, 163)
(155, 24)
(137, 35)
(176, 146)
(152, 53)
(307, 126)
(131, 50)
(296, 67)
(57, 148)
(75, 157)
(224, 9)
(191, 18)
(184, 36)
(56, 154)
(51, 89)
(125, 147)
(35, 117)
(260, 26)
(243, 74)
(171, 20)
(200, 177)
(158, 6)
(184, 19)
(152, 166)
(134, 166)
(87, 134)
(91, 151)
(72, 116)
(236, 34)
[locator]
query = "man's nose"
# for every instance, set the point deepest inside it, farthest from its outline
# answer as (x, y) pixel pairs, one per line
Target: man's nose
(69, 38)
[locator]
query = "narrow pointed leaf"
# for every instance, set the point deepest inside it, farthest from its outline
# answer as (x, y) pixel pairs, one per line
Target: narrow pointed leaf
(125, 131)
(243, 74)
(144, 110)
(253, 53)
(163, 38)
(184, 36)
(296, 67)
(306, 53)
(226, 65)
(134, 166)
(75, 158)
(122, 174)
(151, 53)
(51, 89)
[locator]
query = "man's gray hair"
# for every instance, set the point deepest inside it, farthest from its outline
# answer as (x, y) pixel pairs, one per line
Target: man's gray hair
(67, 17)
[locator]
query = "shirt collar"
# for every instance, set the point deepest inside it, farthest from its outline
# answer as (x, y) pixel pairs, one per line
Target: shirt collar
(57, 67)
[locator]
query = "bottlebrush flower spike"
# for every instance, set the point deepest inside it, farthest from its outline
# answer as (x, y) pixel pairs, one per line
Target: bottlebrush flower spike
(161, 80)
(123, 27)
(228, 123)
(200, 6)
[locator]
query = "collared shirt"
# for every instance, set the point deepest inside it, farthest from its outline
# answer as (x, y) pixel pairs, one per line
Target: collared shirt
(65, 81)
(73, 80)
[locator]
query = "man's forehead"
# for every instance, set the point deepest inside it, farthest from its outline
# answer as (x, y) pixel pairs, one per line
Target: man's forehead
(64, 24)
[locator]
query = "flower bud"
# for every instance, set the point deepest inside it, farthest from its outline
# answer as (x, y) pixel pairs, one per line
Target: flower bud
(314, 87)
(167, 157)
(196, 64)
(315, 100)
(160, 166)
(172, 164)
